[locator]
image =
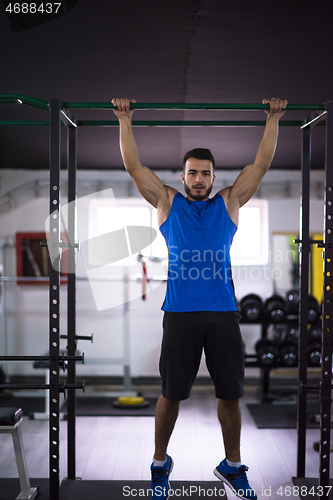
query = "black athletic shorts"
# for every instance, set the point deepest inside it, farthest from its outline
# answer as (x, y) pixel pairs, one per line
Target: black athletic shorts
(185, 335)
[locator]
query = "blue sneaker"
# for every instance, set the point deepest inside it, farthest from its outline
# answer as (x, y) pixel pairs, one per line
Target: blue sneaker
(235, 478)
(160, 479)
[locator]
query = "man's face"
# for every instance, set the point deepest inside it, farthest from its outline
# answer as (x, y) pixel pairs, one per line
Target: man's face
(198, 179)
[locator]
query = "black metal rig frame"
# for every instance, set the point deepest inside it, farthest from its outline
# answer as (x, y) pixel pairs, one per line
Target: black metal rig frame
(54, 241)
(55, 360)
(325, 386)
(59, 112)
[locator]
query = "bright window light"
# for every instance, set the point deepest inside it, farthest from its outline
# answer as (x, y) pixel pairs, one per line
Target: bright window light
(250, 244)
(113, 218)
(159, 248)
(105, 217)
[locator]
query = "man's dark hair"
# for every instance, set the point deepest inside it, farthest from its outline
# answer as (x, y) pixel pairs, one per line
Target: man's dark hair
(199, 154)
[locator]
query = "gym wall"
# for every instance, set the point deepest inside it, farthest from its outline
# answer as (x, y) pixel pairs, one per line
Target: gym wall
(26, 321)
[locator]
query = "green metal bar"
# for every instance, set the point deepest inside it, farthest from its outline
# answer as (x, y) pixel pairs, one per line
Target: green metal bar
(207, 105)
(24, 123)
(23, 99)
(199, 123)
(31, 101)
(152, 123)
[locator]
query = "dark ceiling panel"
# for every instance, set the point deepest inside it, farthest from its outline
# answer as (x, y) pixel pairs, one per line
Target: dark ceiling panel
(169, 51)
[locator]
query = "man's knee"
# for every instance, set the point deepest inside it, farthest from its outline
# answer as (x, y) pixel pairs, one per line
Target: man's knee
(229, 403)
(169, 402)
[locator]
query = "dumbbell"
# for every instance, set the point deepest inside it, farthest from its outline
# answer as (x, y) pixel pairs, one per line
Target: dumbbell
(292, 332)
(279, 332)
(293, 305)
(275, 309)
(292, 297)
(314, 353)
(288, 352)
(288, 345)
(313, 310)
(314, 345)
(286, 331)
(267, 353)
(315, 332)
(251, 308)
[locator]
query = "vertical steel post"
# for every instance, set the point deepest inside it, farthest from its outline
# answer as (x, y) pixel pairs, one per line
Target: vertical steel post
(304, 249)
(327, 323)
(54, 296)
(71, 301)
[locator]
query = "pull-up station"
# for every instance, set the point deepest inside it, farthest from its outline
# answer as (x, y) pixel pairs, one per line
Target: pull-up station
(59, 113)
(38, 103)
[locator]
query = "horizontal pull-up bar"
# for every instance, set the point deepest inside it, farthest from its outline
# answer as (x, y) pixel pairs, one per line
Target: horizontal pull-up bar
(31, 101)
(148, 123)
(191, 106)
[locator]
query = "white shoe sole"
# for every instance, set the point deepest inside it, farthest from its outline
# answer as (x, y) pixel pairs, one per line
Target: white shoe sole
(222, 478)
(171, 467)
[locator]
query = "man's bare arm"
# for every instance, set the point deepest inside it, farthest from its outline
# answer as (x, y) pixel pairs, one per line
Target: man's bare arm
(145, 180)
(248, 181)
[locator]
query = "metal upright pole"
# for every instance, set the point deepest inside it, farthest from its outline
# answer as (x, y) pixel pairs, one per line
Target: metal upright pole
(71, 301)
(304, 249)
(54, 309)
(327, 322)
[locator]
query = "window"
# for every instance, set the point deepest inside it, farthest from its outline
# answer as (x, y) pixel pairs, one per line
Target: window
(250, 245)
(106, 217)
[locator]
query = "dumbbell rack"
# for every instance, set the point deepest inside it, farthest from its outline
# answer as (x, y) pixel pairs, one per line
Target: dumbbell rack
(251, 361)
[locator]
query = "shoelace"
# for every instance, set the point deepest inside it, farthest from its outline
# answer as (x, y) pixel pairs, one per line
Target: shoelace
(158, 474)
(242, 473)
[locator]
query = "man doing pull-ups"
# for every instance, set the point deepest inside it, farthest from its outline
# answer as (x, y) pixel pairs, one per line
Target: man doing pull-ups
(200, 312)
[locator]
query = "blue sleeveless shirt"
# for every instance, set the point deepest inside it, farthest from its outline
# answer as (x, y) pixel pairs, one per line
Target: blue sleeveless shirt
(198, 235)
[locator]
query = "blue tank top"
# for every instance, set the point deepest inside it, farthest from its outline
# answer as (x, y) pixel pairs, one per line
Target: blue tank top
(198, 235)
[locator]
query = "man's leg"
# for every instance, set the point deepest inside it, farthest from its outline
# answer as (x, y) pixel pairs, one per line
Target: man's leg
(165, 419)
(229, 415)
(231, 470)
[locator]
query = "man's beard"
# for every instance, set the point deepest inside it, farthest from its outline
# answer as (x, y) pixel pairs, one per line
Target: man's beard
(198, 196)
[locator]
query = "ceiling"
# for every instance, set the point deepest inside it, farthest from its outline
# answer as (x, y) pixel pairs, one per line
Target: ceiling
(186, 51)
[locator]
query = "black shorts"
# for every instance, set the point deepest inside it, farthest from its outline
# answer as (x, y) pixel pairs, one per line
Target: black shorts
(185, 335)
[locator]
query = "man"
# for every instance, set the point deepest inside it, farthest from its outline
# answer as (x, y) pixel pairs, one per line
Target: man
(199, 308)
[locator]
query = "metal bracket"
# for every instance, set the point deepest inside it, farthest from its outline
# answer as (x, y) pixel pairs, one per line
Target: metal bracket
(80, 337)
(319, 243)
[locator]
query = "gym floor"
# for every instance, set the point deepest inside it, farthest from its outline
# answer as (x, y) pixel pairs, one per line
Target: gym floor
(121, 447)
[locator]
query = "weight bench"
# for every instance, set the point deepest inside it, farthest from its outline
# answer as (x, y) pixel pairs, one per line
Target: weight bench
(10, 421)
